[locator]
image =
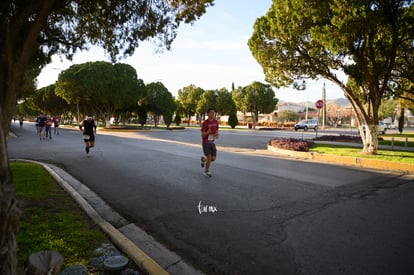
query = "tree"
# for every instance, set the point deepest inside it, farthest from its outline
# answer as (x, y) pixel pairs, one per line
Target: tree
(388, 109)
(70, 87)
(207, 100)
(255, 98)
(188, 98)
(366, 40)
(130, 110)
(99, 87)
(177, 119)
(224, 103)
(288, 116)
(336, 114)
(401, 120)
(233, 121)
(32, 31)
(237, 96)
(46, 101)
(159, 101)
(142, 115)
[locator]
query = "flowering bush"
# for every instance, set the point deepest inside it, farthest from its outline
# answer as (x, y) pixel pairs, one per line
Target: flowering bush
(291, 144)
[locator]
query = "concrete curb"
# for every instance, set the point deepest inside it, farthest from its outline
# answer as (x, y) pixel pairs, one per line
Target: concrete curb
(352, 161)
(140, 258)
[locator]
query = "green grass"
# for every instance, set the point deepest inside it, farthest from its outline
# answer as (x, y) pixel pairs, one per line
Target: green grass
(409, 135)
(396, 142)
(388, 155)
(405, 139)
(50, 219)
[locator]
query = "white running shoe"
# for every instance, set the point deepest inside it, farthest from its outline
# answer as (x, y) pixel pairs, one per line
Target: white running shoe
(207, 174)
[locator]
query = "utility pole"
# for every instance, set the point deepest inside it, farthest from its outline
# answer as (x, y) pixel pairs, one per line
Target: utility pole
(324, 106)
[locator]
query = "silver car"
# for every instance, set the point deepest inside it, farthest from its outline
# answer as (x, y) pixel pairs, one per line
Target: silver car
(307, 124)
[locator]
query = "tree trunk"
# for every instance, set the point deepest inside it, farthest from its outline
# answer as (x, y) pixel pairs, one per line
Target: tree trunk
(255, 118)
(370, 139)
(366, 114)
(401, 120)
(9, 210)
(9, 213)
(11, 81)
(17, 52)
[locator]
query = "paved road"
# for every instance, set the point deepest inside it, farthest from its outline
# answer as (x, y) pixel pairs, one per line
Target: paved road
(259, 214)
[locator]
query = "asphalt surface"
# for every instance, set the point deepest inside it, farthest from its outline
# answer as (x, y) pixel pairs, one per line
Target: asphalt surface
(377, 214)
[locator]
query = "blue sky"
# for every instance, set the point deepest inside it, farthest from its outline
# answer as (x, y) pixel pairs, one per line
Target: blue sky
(211, 54)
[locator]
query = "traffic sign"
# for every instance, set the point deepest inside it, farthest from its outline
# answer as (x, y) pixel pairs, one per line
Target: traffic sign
(319, 104)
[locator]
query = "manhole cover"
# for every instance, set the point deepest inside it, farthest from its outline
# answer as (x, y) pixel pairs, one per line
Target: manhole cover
(75, 270)
(115, 262)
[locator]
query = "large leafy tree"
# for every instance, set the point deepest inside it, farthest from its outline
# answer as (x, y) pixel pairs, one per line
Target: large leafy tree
(32, 31)
(255, 98)
(221, 100)
(99, 87)
(224, 103)
(370, 41)
(188, 98)
(46, 101)
(208, 99)
(159, 101)
(131, 110)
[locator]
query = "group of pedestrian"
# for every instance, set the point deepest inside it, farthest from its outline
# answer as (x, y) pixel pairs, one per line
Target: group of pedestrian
(209, 133)
(44, 124)
(21, 119)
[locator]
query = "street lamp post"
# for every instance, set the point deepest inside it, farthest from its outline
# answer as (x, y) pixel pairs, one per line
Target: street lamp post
(324, 106)
(302, 87)
(307, 104)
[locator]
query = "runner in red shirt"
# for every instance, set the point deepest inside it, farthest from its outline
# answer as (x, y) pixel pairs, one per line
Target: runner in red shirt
(209, 133)
(49, 122)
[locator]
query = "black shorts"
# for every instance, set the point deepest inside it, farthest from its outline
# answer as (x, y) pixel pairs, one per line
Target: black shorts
(91, 138)
(209, 149)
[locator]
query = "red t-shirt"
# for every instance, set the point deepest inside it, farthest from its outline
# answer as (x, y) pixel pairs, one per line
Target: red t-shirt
(49, 122)
(209, 124)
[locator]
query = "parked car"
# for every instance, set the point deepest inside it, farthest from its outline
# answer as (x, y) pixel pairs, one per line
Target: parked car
(382, 127)
(307, 124)
(390, 125)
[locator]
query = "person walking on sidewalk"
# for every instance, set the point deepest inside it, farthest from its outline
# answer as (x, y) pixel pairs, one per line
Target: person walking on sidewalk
(88, 127)
(209, 133)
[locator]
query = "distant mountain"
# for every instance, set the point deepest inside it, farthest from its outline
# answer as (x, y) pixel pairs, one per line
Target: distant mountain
(343, 102)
